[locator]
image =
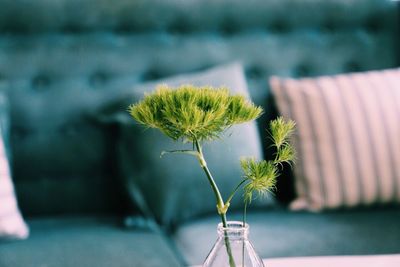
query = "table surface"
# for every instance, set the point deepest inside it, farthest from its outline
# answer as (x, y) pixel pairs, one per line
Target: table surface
(392, 260)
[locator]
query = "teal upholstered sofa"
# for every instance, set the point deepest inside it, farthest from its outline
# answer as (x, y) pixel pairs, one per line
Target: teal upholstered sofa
(83, 176)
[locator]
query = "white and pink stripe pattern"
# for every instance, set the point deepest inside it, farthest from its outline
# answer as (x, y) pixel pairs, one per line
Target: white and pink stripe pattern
(347, 137)
(12, 224)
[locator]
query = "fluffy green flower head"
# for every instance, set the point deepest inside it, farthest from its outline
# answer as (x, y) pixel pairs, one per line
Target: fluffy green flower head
(281, 131)
(193, 113)
(260, 175)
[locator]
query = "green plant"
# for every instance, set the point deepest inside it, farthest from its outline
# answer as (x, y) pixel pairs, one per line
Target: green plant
(200, 114)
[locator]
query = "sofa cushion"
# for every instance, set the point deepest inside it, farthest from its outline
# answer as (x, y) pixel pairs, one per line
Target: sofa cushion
(347, 137)
(282, 233)
(59, 154)
(87, 241)
(174, 187)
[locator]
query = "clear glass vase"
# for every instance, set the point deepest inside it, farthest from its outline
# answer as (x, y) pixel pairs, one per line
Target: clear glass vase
(233, 248)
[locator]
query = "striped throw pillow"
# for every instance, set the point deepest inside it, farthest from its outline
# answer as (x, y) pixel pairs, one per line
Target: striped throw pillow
(347, 139)
(12, 226)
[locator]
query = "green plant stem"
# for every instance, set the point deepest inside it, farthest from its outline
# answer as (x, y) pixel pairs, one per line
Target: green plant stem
(244, 224)
(203, 164)
(220, 201)
(228, 201)
(278, 149)
(244, 213)
(185, 151)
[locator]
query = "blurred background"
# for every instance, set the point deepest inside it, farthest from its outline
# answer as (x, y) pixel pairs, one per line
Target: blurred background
(63, 61)
(48, 47)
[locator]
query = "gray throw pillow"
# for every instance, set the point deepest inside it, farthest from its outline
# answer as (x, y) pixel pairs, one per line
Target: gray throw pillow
(174, 187)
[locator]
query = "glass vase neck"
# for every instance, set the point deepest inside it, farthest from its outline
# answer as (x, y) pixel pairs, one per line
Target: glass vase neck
(233, 248)
(234, 230)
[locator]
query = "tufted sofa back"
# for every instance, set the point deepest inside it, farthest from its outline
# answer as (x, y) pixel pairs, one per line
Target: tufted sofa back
(60, 59)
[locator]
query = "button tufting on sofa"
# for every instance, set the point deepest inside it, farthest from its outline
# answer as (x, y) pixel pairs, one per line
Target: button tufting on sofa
(21, 133)
(328, 26)
(279, 26)
(179, 25)
(303, 70)
(98, 78)
(71, 28)
(374, 24)
(352, 66)
(69, 130)
(229, 26)
(151, 74)
(41, 81)
(255, 72)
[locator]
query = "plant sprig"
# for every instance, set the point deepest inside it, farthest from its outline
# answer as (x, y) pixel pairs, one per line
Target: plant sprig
(198, 114)
(260, 177)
